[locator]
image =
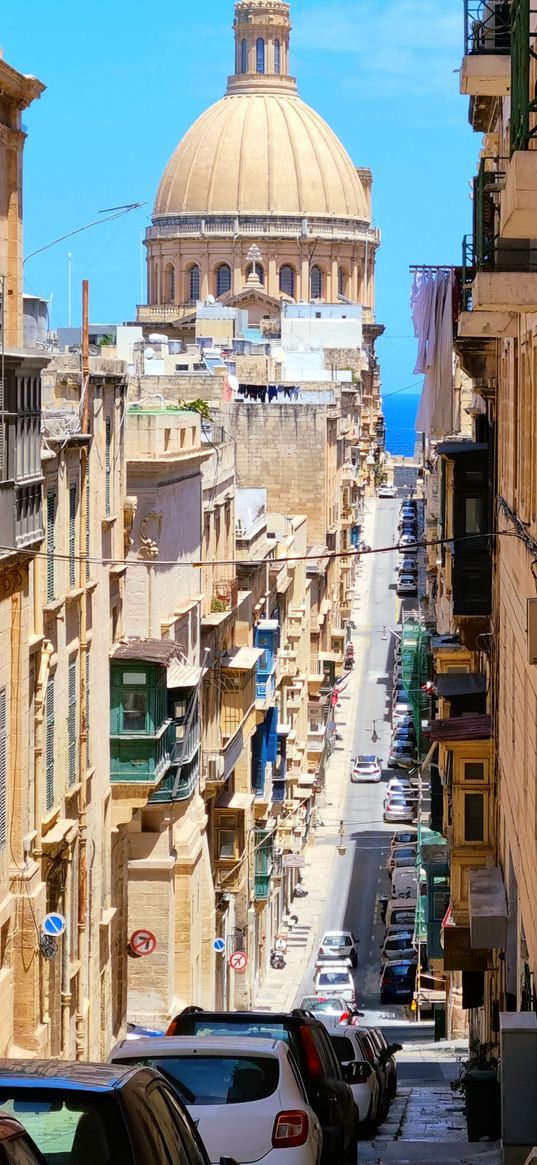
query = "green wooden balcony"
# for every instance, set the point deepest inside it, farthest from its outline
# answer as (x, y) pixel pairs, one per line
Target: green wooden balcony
(141, 759)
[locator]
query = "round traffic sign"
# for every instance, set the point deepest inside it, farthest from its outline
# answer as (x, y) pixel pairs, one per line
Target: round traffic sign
(219, 946)
(142, 942)
(239, 961)
(53, 925)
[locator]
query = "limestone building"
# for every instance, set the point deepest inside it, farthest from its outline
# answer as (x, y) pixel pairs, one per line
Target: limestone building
(260, 202)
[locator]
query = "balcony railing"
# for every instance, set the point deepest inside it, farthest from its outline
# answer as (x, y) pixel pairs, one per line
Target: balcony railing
(523, 120)
(143, 759)
(225, 595)
(178, 784)
(265, 687)
(487, 27)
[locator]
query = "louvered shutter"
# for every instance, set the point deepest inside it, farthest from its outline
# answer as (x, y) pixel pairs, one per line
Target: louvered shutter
(3, 770)
(72, 535)
(71, 722)
(108, 436)
(51, 514)
(49, 746)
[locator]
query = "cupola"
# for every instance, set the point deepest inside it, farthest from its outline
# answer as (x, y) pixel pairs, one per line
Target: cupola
(262, 31)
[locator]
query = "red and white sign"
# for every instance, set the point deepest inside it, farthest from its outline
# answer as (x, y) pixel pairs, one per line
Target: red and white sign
(142, 942)
(238, 961)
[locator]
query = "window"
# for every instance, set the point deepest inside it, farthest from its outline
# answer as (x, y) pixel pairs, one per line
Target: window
(107, 464)
(51, 515)
(49, 745)
(134, 702)
(474, 817)
(474, 516)
(260, 272)
(244, 57)
(277, 57)
(287, 281)
(226, 843)
(3, 769)
(218, 1079)
(340, 281)
(72, 535)
(70, 1126)
(194, 283)
(223, 279)
(260, 55)
(169, 283)
(474, 771)
(316, 283)
(71, 723)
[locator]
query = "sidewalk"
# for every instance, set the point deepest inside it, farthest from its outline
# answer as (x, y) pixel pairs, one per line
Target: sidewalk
(281, 990)
(424, 1123)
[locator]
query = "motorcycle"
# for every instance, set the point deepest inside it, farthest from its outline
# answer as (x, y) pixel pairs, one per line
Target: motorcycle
(277, 960)
(300, 892)
(349, 663)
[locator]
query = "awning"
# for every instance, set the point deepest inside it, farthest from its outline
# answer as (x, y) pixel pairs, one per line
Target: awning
(182, 675)
(243, 659)
(462, 728)
(458, 448)
(487, 905)
(306, 780)
(461, 684)
(268, 625)
(240, 801)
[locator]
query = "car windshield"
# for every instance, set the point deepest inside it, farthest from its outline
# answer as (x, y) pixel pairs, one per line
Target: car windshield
(333, 979)
(217, 1079)
(63, 1126)
(337, 939)
(330, 1006)
(367, 759)
(243, 1027)
(402, 970)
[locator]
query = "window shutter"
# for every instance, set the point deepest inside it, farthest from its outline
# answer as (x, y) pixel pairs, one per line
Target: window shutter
(72, 534)
(271, 723)
(51, 514)
(49, 746)
(3, 770)
(71, 722)
(88, 706)
(108, 436)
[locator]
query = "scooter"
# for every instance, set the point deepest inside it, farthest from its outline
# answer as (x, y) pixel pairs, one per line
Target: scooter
(300, 892)
(349, 663)
(277, 960)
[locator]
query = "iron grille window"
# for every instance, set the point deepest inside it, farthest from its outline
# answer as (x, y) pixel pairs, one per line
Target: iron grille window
(3, 770)
(287, 281)
(277, 57)
(316, 283)
(244, 57)
(51, 515)
(72, 534)
(49, 746)
(194, 283)
(223, 279)
(71, 722)
(260, 55)
(107, 465)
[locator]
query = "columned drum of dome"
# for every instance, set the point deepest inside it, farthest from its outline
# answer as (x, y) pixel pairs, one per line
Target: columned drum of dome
(261, 167)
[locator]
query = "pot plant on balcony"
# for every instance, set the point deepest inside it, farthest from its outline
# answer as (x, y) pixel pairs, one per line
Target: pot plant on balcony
(478, 1082)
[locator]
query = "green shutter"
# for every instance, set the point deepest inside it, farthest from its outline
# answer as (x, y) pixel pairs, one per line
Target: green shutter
(71, 722)
(107, 466)
(72, 535)
(51, 515)
(3, 770)
(49, 746)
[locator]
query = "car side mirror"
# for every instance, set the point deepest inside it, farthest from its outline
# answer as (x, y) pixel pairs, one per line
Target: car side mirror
(393, 1048)
(356, 1072)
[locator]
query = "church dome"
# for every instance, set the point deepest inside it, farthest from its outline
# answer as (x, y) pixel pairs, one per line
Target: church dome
(261, 153)
(261, 150)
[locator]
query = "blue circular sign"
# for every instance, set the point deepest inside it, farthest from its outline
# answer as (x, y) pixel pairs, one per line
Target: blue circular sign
(53, 925)
(219, 946)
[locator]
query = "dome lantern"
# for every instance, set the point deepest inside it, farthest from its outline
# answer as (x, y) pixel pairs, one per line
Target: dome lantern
(262, 32)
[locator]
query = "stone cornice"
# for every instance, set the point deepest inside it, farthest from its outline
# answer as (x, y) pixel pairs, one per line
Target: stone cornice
(18, 87)
(11, 137)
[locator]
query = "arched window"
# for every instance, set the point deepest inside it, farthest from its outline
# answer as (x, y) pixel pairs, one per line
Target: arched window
(169, 283)
(260, 55)
(194, 283)
(277, 57)
(223, 279)
(340, 281)
(244, 56)
(316, 283)
(260, 272)
(287, 281)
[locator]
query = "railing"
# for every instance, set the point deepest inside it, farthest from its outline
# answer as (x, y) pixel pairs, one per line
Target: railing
(7, 517)
(523, 119)
(265, 686)
(174, 226)
(225, 595)
(316, 739)
(487, 27)
(467, 272)
(178, 785)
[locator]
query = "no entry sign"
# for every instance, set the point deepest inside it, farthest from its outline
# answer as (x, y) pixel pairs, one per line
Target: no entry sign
(238, 961)
(142, 942)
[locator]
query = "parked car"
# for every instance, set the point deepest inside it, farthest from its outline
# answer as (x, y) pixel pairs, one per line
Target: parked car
(16, 1147)
(402, 755)
(387, 491)
(338, 945)
(336, 978)
(405, 861)
(400, 785)
(328, 1094)
(404, 732)
(402, 854)
(404, 837)
(400, 912)
(397, 810)
(246, 1095)
(397, 980)
(405, 883)
(331, 1007)
(365, 1087)
(78, 1113)
(407, 584)
(387, 1052)
(370, 1052)
(366, 767)
(399, 946)
(407, 542)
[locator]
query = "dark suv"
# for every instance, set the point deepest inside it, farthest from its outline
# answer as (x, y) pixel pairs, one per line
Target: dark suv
(328, 1093)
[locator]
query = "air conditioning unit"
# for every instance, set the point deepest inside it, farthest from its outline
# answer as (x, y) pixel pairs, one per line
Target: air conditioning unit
(215, 768)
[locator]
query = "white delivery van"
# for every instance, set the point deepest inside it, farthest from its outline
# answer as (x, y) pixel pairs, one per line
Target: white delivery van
(400, 912)
(405, 883)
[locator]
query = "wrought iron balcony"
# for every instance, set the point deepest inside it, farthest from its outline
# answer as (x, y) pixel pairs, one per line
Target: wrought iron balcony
(523, 120)
(487, 27)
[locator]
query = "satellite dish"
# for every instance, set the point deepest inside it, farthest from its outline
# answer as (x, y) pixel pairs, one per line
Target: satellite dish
(233, 382)
(149, 353)
(211, 299)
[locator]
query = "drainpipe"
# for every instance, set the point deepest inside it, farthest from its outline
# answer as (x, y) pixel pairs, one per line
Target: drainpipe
(65, 992)
(80, 1042)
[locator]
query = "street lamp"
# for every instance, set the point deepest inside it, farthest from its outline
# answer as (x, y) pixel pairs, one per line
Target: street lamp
(341, 849)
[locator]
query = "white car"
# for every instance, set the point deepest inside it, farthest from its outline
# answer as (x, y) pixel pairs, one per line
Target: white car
(335, 979)
(365, 1085)
(387, 491)
(245, 1094)
(366, 767)
(406, 541)
(338, 946)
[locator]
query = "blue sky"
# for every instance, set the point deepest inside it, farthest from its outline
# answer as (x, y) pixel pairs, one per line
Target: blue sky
(125, 79)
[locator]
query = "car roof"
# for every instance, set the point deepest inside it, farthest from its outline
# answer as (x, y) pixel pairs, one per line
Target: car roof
(289, 1018)
(168, 1046)
(336, 931)
(67, 1075)
(335, 965)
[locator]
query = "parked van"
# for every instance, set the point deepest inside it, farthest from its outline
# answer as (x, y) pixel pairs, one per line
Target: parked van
(405, 883)
(400, 913)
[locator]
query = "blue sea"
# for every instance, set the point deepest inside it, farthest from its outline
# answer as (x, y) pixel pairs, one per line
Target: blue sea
(400, 413)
